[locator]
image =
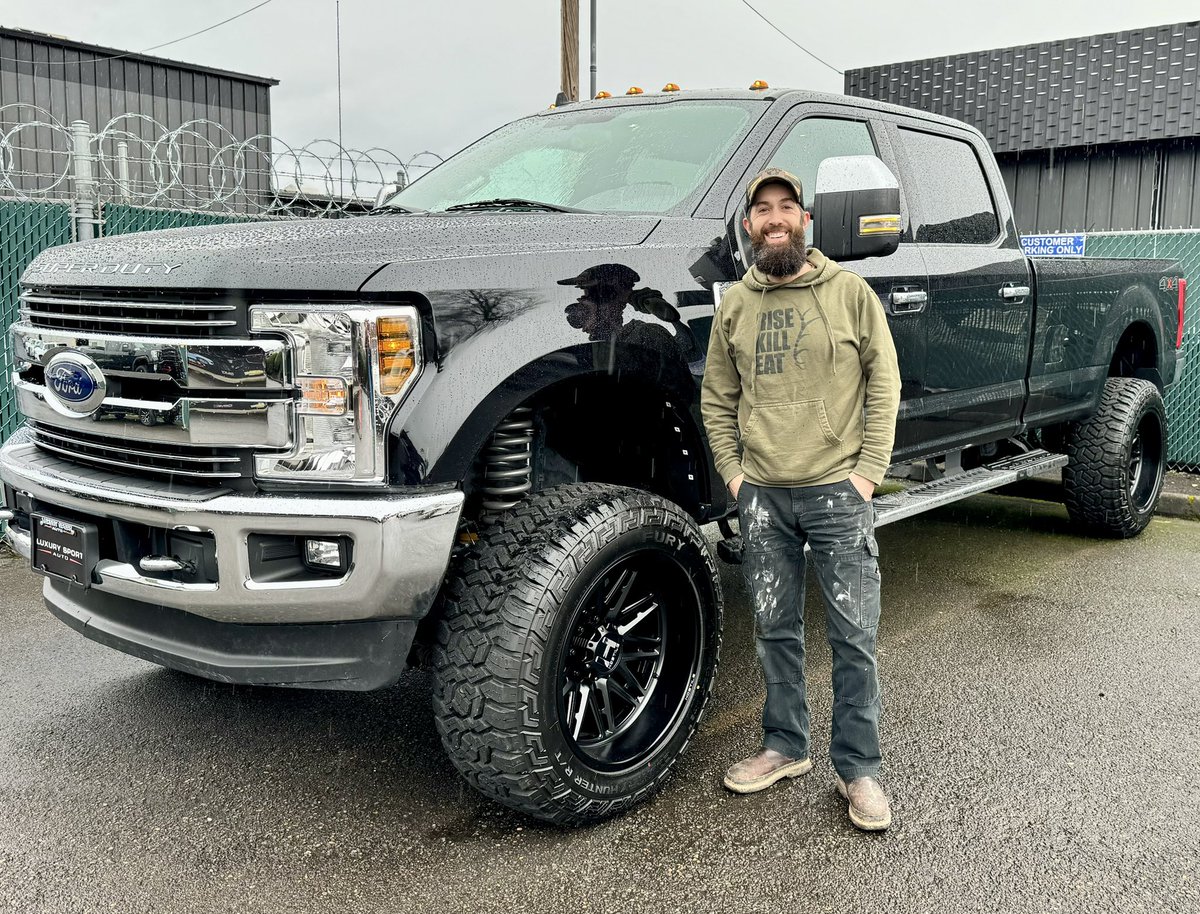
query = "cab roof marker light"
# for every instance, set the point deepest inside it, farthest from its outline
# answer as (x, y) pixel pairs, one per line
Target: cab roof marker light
(603, 94)
(633, 90)
(670, 87)
(758, 85)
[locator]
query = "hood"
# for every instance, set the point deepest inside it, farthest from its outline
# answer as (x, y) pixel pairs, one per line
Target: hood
(823, 270)
(321, 254)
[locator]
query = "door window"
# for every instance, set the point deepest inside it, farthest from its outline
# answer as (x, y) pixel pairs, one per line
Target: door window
(815, 139)
(949, 190)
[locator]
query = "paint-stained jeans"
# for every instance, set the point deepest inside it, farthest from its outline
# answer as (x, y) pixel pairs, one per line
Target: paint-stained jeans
(839, 527)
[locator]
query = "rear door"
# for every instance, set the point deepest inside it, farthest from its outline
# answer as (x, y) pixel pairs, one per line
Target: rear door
(980, 310)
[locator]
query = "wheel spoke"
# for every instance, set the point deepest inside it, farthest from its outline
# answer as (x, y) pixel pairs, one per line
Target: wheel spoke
(628, 684)
(628, 655)
(651, 643)
(616, 688)
(583, 694)
(623, 629)
(619, 593)
(607, 722)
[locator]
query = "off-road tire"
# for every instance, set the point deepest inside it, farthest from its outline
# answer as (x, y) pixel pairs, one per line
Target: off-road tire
(1104, 492)
(514, 606)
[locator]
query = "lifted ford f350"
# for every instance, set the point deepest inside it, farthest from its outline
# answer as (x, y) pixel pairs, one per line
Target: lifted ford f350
(466, 428)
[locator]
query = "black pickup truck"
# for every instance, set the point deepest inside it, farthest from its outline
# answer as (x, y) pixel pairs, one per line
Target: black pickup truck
(464, 430)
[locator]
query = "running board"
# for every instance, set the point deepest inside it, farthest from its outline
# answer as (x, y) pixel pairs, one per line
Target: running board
(929, 495)
(949, 489)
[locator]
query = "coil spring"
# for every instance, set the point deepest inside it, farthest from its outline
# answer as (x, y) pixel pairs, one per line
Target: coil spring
(508, 462)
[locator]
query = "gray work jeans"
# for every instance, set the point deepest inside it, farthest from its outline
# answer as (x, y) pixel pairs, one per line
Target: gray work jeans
(839, 527)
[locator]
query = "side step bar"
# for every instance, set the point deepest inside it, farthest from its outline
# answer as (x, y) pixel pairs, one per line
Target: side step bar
(929, 495)
(949, 489)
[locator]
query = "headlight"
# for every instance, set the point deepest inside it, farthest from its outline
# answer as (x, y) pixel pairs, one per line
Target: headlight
(352, 368)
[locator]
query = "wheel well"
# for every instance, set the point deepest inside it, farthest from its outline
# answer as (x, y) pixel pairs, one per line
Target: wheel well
(603, 429)
(1136, 355)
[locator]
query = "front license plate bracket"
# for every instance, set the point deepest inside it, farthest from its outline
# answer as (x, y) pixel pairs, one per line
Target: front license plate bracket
(65, 549)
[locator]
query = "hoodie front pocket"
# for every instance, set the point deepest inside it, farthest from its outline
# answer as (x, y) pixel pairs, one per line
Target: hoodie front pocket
(791, 441)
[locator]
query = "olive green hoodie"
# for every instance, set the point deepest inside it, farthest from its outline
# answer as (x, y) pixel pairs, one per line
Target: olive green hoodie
(805, 374)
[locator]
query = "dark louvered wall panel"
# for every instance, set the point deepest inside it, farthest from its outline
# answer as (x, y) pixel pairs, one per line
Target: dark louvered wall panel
(1113, 88)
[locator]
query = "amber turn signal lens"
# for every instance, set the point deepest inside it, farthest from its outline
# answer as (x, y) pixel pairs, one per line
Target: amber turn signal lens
(397, 354)
(888, 224)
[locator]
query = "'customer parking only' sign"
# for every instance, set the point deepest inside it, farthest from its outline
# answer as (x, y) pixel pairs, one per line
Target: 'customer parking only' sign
(1053, 245)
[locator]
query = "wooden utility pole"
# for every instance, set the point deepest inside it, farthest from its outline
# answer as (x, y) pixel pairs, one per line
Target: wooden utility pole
(570, 49)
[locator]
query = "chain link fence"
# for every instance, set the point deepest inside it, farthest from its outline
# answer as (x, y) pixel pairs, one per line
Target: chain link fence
(26, 229)
(1183, 399)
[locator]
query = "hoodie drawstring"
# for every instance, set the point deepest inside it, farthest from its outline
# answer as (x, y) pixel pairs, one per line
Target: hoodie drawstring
(761, 296)
(828, 328)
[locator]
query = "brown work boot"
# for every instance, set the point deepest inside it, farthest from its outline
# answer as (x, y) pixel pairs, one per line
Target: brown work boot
(763, 769)
(869, 809)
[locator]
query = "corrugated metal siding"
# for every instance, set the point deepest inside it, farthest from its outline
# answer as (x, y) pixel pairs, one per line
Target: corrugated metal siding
(1120, 187)
(1117, 87)
(79, 84)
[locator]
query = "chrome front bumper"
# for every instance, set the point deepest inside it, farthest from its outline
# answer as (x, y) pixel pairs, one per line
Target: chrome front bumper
(401, 543)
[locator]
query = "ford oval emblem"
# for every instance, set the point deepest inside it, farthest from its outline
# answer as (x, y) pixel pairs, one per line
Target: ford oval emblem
(75, 385)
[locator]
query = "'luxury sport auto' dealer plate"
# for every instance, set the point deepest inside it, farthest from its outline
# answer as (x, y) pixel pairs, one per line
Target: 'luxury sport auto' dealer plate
(64, 549)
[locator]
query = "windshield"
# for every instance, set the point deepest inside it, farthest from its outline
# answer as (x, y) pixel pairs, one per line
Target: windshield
(638, 158)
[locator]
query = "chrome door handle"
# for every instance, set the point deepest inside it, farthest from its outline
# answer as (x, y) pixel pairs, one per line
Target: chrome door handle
(908, 302)
(1011, 292)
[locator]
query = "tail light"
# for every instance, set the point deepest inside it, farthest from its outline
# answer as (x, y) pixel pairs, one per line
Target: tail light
(1182, 299)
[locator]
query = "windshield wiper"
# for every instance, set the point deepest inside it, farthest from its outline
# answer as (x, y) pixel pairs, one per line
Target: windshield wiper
(513, 203)
(395, 208)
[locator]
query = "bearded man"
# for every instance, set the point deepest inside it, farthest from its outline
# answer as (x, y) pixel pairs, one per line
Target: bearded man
(800, 397)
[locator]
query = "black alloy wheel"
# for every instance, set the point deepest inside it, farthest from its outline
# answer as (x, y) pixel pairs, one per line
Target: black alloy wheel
(577, 647)
(629, 659)
(1117, 460)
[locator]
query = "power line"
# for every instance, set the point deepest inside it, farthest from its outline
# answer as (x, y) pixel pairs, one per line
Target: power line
(64, 63)
(791, 39)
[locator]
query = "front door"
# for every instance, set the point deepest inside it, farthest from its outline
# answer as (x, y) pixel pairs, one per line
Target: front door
(805, 137)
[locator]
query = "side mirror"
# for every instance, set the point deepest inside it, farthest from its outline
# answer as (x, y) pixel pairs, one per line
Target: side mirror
(856, 208)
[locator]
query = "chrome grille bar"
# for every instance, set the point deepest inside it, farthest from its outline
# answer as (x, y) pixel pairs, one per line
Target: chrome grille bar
(110, 454)
(31, 298)
(132, 316)
(41, 433)
(159, 322)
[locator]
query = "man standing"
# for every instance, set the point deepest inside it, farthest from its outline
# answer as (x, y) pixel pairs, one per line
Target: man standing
(802, 368)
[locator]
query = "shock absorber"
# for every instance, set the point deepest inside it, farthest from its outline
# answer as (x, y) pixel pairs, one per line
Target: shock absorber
(508, 462)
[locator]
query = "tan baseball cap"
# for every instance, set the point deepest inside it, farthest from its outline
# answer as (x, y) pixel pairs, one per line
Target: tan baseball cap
(776, 176)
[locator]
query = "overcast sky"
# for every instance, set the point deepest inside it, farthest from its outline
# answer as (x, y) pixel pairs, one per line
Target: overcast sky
(434, 75)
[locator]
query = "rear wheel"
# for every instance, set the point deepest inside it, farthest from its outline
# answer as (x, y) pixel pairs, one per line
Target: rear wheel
(577, 649)
(1118, 457)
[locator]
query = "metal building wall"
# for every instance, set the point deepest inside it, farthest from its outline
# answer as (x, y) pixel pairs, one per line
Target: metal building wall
(1117, 187)
(73, 81)
(1137, 85)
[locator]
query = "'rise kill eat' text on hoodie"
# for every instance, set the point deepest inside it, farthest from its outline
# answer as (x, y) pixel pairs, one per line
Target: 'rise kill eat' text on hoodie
(805, 374)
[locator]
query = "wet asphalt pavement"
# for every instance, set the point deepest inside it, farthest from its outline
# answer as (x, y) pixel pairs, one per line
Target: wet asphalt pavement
(1041, 731)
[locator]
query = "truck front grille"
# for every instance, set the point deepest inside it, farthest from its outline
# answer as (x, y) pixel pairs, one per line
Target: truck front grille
(196, 314)
(185, 462)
